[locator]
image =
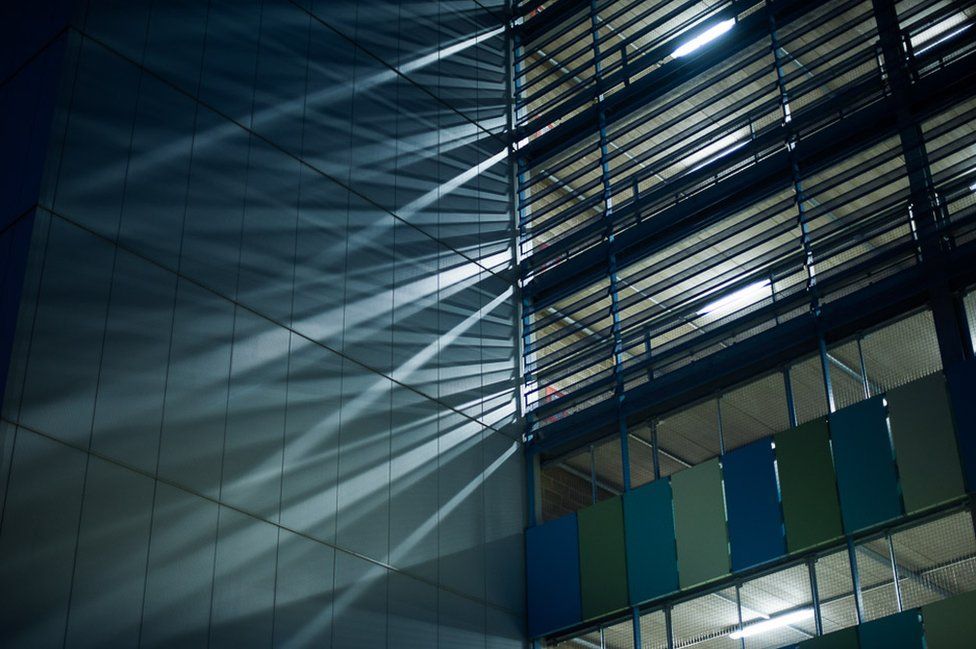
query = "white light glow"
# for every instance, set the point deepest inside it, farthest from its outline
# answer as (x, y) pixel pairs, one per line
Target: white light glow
(704, 38)
(733, 301)
(777, 622)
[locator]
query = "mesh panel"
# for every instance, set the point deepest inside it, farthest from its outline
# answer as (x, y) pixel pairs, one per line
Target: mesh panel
(608, 467)
(902, 352)
(877, 580)
(755, 410)
(806, 380)
(836, 591)
(641, 455)
(619, 636)
(690, 436)
(780, 593)
(845, 374)
(566, 486)
(589, 640)
(705, 622)
(936, 560)
(654, 631)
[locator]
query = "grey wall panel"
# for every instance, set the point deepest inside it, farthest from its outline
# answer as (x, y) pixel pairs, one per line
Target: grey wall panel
(251, 473)
(504, 544)
(462, 622)
(179, 576)
(363, 510)
(267, 258)
(210, 248)
(320, 259)
(412, 619)
(59, 389)
(174, 43)
(299, 323)
(360, 604)
(110, 562)
(91, 178)
(132, 380)
(461, 533)
(310, 463)
(414, 514)
(242, 610)
(156, 177)
(303, 592)
(37, 550)
(192, 442)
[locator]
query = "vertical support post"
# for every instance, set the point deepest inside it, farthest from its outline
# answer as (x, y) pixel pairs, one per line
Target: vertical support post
(721, 431)
(815, 595)
(825, 368)
(635, 618)
(855, 581)
(668, 627)
(654, 454)
(790, 403)
(864, 370)
(894, 572)
(738, 609)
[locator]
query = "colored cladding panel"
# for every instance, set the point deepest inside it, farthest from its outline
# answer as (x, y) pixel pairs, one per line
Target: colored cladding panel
(843, 639)
(925, 443)
(752, 500)
(603, 562)
(811, 510)
(962, 396)
(899, 631)
(652, 565)
(950, 623)
(699, 524)
(552, 575)
(866, 478)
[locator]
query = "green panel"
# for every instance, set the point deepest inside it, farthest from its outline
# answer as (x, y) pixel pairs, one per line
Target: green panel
(950, 623)
(925, 443)
(843, 639)
(898, 631)
(699, 524)
(603, 563)
(811, 510)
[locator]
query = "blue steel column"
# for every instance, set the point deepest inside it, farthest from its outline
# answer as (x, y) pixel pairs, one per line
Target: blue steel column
(611, 257)
(805, 238)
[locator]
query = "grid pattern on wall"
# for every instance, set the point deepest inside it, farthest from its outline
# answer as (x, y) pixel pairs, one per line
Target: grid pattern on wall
(263, 386)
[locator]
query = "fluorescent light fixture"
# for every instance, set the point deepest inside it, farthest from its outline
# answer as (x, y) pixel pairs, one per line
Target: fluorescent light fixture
(733, 301)
(945, 38)
(704, 38)
(772, 623)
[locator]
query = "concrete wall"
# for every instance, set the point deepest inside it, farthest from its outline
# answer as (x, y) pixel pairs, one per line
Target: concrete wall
(263, 382)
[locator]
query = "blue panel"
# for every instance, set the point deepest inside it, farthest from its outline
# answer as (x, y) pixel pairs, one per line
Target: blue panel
(652, 563)
(962, 395)
(14, 244)
(553, 575)
(752, 500)
(866, 478)
(900, 631)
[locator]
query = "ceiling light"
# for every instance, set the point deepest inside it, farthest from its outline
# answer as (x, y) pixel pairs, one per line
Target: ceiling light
(772, 623)
(704, 38)
(733, 301)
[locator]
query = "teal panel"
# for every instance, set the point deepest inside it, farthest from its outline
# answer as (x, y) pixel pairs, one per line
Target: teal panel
(950, 623)
(807, 484)
(899, 631)
(925, 443)
(603, 563)
(652, 565)
(699, 524)
(865, 466)
(843, 639)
